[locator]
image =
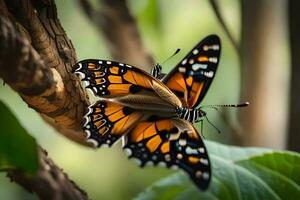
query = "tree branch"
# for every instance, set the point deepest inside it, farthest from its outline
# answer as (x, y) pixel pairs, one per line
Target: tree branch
(217, 12)
(294, 106)
(41, 71)
(50, 182)
(114, 20)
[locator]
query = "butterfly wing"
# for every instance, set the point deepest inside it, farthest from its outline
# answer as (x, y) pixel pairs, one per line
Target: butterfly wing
(107, 120)
(191, 78)
(160, 141)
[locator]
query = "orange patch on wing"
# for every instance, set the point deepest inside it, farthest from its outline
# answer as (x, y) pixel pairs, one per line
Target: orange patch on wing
(119, 126)
(193, 159)
(103, 130)
(119, 88)
(142, 80)
(189, 80)
(177, 82)
(153, 143)
(115, 79)
(112, 108)
(143, 130)
(195, 92)
(99, 123)
(97, 117)
(91, 66)
(165, 147)
(116, 116)
(164, 125)
(97, 110)
(125, 124)
(98, 74)
(114, 70)
(100, 81)
(202, 59)
(128, 76)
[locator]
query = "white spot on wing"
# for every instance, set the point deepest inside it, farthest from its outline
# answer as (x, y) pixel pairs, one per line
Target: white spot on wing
(182, 69)
(198, 66)
(100, 62)
(78, 68)
(216, 47)
(209, 74)
(205, 175)
(162, 164)
(128, 151)
(121, 64)
(149, 163)
(183, 62)
(213, 59)
(174, 167)
(137, 161)
(195, 51)
(190, 151)
(204, 161)
(129, 66)
(108, 62)
(202, 150)
(93, 142)
(86, 116)
(213, 47)
(80, 74)
(182, 142)
(191, 61)
(88, 134)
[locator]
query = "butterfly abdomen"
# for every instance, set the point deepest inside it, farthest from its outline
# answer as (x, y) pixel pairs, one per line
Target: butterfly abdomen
(191, 115)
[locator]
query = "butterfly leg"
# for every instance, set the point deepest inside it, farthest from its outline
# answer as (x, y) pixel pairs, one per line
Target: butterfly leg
(201, 127)
(218, 130)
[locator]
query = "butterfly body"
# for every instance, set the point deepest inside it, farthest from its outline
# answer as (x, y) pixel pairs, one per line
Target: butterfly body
(190, 115)
(153, 117)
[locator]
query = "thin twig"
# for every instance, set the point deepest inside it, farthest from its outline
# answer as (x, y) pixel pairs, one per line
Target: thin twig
(217, 12)
(115, 21)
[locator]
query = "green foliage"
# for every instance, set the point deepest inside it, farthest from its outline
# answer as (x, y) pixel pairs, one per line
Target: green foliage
(238, 173)
(18, 150)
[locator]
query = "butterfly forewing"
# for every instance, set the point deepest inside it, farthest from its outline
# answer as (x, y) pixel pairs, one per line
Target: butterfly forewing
(191, 78)
(160, 141)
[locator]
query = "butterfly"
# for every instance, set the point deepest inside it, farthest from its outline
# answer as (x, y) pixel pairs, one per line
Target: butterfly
(153, 117)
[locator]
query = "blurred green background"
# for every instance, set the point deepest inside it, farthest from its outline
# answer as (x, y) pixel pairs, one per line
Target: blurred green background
(164, 26)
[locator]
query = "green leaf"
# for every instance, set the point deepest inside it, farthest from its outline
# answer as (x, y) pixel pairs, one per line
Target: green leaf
(18, 150)
(238, 173)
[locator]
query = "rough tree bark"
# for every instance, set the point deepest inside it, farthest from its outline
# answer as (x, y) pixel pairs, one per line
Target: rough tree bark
(43, 54)
(50, 182)
(265, 73)
(294, 110)
(36, 60)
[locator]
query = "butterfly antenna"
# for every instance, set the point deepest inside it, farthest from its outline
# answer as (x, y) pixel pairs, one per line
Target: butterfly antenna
(212, 125)
(176, 52)
(245, 104)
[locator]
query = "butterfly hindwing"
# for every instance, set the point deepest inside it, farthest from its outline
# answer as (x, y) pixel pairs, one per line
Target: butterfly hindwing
(160, 141)
(191, 78)
(106, 121)
(148, 141)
